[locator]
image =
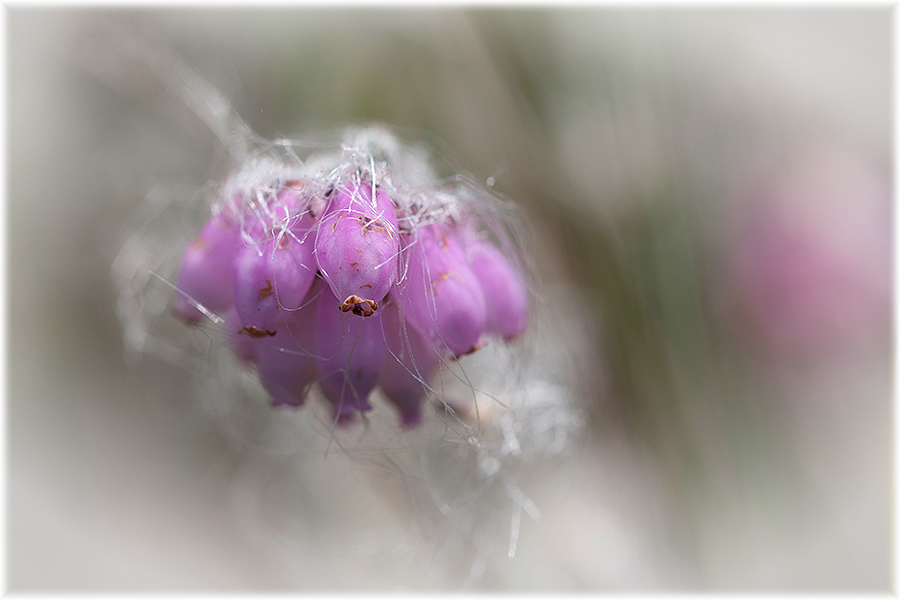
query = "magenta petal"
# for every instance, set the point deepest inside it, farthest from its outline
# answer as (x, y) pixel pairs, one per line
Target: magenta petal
(285, 362)
(205, 276)
(504, 291)
(411, 361)
(273, 277)
(356, 248)
(443, 299)
(350, 353)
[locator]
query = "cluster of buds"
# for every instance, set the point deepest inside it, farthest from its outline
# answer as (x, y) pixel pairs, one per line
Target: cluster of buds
(349, 277)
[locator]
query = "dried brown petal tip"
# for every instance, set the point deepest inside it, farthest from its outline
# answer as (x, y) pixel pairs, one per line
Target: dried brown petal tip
(359, 306)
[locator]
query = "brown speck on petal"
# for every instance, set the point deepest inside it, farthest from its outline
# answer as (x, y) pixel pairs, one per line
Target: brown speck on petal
(444, 277)
(266, 291)
(256, 332)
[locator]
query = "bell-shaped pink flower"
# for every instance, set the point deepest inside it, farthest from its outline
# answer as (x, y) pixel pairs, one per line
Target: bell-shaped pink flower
(504, 291)
(274, 276)
(285, 362)
(350, 353)
(206, 276)
(442, 298)
(410, 363)
(357, 243)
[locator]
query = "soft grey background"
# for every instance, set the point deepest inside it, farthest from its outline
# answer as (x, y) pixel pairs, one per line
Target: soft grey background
(711, 461)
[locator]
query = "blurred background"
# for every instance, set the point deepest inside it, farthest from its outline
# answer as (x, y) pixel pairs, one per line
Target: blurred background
(715, 184)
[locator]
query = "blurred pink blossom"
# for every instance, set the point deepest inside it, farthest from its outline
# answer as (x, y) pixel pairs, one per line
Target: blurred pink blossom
(810, 268)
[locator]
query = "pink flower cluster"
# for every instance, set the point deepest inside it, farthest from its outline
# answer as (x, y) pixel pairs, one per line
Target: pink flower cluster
(343, 282)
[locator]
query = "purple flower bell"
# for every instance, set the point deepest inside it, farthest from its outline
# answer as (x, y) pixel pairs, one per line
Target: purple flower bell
(357, 243)
(276, 275)
(205, 276)
(443, 299)
(285, 362)
(504, 291)
(411, 362)
(350, 353)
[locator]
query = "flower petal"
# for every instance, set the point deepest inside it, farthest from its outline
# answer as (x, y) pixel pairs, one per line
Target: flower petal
(442, 297)
(411, 362)
(205, 275)
(349, 355)
(356, 248)
(504, 291)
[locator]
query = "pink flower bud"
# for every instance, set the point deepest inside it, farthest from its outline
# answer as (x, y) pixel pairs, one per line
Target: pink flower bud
(349, 354)
(205, 275)
(285, 362)
(356, 247)
(411, 361)
(442, 298)
(504, 291)
(274, 276)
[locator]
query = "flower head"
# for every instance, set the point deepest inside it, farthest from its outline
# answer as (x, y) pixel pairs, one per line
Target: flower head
(352, 271)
